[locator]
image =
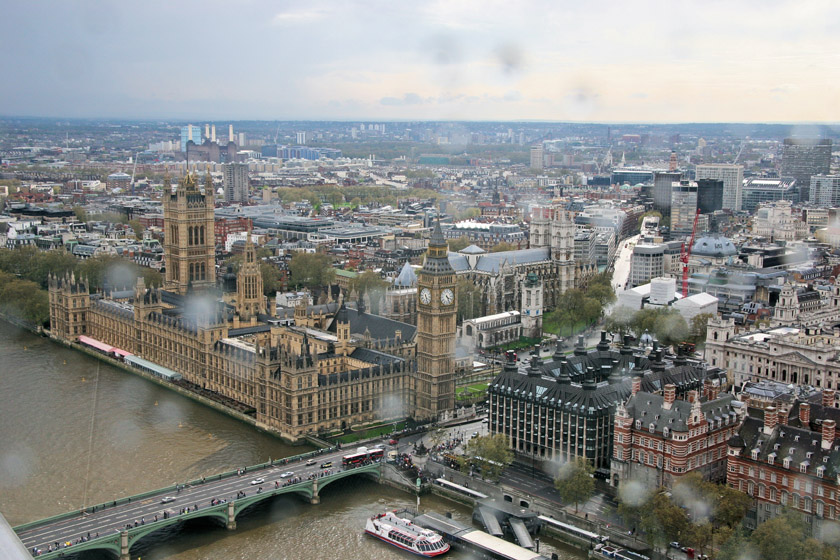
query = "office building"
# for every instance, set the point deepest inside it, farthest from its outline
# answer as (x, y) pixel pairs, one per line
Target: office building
(188, 133)
(236, 182)
(537, 157)
(709, 195)
(825, 190)
(758, 190)
(683, 207)
(300, 138)
(732, 176)
(662, 183)
(804, 157)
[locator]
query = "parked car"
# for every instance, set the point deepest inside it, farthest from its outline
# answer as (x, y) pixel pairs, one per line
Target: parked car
(674, 544)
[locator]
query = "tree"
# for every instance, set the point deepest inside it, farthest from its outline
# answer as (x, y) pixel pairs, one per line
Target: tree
(312, 270)
(470, 298)
(619, 321)
(780, 538)
(271, 278)
(462, 242)
(469, 213)
(574, 481)
(697, 331)
(137, 227)
(502, 246)
(492, 454)
(81, 214)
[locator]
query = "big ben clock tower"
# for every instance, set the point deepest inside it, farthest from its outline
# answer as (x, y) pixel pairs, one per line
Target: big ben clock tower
(436, 311)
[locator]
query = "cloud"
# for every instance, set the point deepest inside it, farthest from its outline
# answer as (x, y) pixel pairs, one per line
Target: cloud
(298, 17)
(407, 99)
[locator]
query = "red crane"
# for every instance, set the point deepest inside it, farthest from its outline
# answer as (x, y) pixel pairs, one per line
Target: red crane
(686, 254)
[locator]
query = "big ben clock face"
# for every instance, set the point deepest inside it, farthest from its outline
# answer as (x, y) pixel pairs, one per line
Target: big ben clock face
(425, 296)
(447, 297)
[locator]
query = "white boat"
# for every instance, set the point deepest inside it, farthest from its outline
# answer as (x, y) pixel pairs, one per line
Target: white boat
(404, 534)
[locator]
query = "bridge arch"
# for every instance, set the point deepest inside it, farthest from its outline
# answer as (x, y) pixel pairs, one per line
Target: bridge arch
(371, 470)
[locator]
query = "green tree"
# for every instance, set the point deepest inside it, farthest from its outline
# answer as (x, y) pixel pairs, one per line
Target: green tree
(469, 213)
(81, 214)
(138, 228)
(492, 454)
(311, 270)
(23, 299)
(470, 298)
(780, 538)
(462, 242)
(356, 202)
(271, 279)
(697, 331)
(619, 321)
(574, 481)
(503, 246)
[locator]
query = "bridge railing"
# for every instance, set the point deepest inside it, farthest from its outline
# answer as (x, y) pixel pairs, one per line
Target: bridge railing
(168, 489)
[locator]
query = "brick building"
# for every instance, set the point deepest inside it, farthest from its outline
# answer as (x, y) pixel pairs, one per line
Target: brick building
(789, 461)
(659, 438)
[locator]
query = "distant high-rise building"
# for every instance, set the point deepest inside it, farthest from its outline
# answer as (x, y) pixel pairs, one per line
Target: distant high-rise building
(662, 183)
(236, 182)
(732, 176)
(241, 139)
(758, 190)
(537, 157)
(672, 164)
(683, 207)
(231, 138)
(213, 133)
(825, 190)
(188, 133)
(709, 195)
(804, 157)
(301, 138)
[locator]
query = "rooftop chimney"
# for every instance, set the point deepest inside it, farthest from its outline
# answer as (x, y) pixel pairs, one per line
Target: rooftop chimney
(804, 414)
(636, 384)
(828, 398)
(828, 427)
(670, 395)
(771, 418)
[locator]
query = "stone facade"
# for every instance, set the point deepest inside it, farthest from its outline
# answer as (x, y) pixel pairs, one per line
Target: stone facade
(798, 355)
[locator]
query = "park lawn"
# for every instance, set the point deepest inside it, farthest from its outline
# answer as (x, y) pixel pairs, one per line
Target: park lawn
(370, 433)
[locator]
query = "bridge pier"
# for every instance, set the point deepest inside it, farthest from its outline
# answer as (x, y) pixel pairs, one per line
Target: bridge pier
(231, 517)
(124, 546)
(315, 500)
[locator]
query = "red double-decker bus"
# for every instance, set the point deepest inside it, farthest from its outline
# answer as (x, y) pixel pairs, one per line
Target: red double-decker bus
(362, 455)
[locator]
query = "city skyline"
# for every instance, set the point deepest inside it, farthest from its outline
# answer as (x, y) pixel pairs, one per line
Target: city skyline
(436, 61)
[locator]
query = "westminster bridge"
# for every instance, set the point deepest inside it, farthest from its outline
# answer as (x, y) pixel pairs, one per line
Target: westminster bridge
(118, 525)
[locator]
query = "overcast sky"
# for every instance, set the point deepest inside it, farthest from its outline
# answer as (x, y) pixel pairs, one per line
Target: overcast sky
(591, 60)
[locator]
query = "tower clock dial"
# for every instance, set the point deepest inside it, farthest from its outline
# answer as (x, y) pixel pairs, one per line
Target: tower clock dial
(447, 296)
(425, 296)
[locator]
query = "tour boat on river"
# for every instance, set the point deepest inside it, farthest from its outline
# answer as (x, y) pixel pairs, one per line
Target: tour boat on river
(404, 534)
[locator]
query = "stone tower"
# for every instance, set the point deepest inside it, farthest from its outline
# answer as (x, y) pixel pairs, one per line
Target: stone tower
(249, 285)
(189, 240)
(69, 306)
(436, 311)
(786, 311)
(532, 306)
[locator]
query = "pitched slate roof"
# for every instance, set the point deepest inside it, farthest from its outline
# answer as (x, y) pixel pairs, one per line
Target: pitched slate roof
(648, 407)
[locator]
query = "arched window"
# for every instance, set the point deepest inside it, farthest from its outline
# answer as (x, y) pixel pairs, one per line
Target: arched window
(190, 235)
(716, 335)
(202, 235)
(192, 272)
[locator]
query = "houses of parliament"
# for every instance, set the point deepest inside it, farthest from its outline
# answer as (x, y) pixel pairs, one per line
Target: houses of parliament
(333, 368)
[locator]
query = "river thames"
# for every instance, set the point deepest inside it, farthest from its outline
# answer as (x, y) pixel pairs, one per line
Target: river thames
(77, 432)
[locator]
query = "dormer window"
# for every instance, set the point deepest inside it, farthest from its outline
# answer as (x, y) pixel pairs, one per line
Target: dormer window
(786, 462)
(652, 427)
(665, 432)
(795, 438)
(638, 424)
(755, 454)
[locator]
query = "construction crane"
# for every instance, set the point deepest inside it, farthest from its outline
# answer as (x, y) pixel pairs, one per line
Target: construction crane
(685, 254)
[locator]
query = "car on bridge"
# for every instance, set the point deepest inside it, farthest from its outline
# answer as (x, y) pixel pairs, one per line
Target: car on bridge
(287, 474)
(167, 499)
(257, 481)
(310, 462)
(326, 464)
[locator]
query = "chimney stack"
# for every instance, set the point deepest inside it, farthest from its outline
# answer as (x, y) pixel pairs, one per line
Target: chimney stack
(636, 384)
(828, 427)
(711, 389)
(828, 398)
(771, 418)
(693, 396)
(670, 395)
(804, 414)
